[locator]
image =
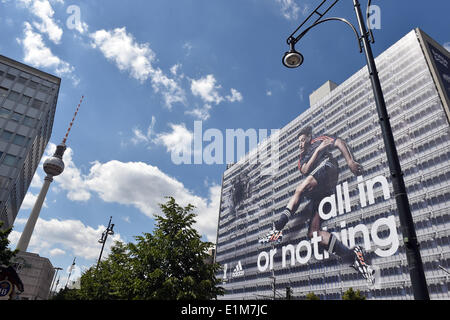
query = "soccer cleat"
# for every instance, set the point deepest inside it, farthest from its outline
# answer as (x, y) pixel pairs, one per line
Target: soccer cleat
(362, 267)
(273, 236)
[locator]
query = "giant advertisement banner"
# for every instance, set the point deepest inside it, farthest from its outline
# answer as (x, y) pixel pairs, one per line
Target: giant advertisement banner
(315, 197)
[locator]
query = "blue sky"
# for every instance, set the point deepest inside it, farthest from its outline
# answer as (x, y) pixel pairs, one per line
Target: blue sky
(148, 70)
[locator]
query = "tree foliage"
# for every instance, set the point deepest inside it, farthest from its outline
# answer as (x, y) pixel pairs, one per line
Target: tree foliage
(5, 253)
(169, 264)
(312, 296)
(350, 294)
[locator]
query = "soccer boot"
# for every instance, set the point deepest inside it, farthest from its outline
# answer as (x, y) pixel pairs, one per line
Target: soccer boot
(273, 236)
(362, 267)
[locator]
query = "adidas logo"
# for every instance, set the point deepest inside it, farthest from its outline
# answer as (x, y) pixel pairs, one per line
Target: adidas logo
(238, 271)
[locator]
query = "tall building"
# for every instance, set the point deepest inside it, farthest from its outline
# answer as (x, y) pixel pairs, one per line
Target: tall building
(28, 100)
(415, 78)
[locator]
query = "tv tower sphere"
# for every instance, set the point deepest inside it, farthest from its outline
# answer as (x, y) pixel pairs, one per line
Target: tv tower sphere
(54, 165)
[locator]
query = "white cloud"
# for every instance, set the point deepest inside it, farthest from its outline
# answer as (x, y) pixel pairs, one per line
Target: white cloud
(120, 47)
(290, 9)
(179, 140)
(44, 11)
(136, 184)
(140, 137)
(200, 113)
(235, 96)
(447, 46)
(71, 180)
(145, 186)
(55, 236)
(37, 54)
(30, 200)
(206, 89)
(57, 252)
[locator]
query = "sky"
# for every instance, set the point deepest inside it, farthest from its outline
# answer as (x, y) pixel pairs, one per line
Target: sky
(149, 72)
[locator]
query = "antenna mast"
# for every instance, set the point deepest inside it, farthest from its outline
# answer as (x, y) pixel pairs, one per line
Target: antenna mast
(71, 122)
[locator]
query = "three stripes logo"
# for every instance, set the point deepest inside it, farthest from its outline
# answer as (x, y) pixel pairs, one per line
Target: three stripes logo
(238, 271)
(276, 236)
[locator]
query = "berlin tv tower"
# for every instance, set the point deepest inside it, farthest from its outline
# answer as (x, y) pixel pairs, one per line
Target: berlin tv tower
(53, 166)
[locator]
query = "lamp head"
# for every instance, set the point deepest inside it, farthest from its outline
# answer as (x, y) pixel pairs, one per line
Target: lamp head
(292, 58)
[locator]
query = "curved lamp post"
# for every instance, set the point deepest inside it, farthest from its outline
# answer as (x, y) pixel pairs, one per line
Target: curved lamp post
(293, 59)
(109, 231)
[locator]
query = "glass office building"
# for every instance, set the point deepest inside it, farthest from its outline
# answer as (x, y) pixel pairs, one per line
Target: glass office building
(28, 100)
(415, 77)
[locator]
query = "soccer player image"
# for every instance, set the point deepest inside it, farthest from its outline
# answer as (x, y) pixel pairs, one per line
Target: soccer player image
(321, 170)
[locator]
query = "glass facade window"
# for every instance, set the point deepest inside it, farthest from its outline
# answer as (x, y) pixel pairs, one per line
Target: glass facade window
(20, 140)
(37, 104)
(25, 100)
(14, 96)
(16, 116)
(3, 92)
(10, 77)
(31, 122)
(4, 112)
(6, 135)
(10, 160)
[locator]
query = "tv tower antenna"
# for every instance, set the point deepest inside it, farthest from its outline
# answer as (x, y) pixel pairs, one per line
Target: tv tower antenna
(53, 166)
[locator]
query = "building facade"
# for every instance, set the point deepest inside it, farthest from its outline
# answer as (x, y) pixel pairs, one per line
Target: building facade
(415, 78)
(28, 100)
(36, 274)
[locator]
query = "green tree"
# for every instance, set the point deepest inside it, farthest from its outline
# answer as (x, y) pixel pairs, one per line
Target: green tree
(169, 264)
(312, 296)
(350, 294)
(5, 253)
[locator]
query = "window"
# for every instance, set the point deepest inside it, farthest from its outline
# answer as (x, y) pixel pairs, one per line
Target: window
(3, 92)
(25, 100)
(31, 122)
(37, 104)
(6, 135)
(16, 116)
(45, 88)
(14, 96)
(22, 80)
(20, 140)
(4, 112)
(10, 160)
(10, 76)
(33, 84)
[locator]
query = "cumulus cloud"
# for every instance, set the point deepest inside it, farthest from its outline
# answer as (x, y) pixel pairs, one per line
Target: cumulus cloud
(139, 184)
(30, 200)
(71, 180)
(57, 236)
(37, 54)
(120, 47)
(208, 90)
(43, 10)
(178, 140)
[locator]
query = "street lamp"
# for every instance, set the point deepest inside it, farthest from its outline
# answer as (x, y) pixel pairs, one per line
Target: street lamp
(109, 231)
(292, 59)
(53, 281)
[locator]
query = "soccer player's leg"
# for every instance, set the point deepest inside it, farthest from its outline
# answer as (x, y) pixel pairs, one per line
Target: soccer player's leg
(275, 234)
